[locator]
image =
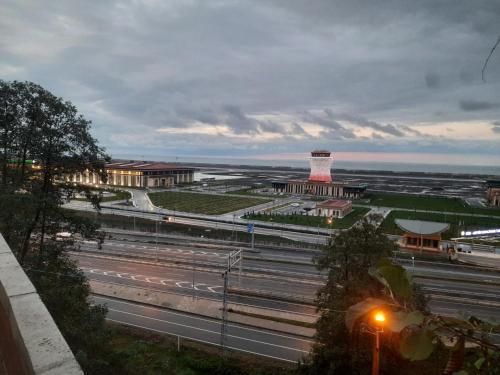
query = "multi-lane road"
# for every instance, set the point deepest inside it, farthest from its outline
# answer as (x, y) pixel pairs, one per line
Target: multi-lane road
(239, 337)
(281, 279)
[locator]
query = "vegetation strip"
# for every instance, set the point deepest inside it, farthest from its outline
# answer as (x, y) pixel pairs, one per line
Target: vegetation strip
(209, 204)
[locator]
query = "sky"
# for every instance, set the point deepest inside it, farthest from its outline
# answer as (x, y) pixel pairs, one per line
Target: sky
(381, 80)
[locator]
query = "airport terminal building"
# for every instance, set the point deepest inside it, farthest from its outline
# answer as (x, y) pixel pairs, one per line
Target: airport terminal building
(138, 174)
(320, 181)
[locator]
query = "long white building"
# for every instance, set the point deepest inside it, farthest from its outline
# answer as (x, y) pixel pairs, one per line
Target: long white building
(138, 174)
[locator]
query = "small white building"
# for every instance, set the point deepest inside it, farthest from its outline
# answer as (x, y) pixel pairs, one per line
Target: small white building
(333, 208)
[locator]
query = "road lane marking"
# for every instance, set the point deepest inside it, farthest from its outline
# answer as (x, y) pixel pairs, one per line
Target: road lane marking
(198, 285)
(199, 340)
(209, 331)
(214, 320)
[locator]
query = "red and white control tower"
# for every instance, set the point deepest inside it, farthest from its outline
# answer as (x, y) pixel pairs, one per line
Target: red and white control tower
(321, 163)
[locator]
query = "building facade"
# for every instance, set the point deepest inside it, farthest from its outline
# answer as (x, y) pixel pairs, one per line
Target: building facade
(321, 163)
(421, 235)
(333, 208)
(493, 192)
(138, 174)
(320, 182)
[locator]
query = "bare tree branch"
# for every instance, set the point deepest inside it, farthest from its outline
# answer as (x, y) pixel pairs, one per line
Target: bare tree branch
(488, 59)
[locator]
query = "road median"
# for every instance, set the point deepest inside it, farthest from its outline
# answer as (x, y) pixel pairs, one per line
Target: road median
(275, 320)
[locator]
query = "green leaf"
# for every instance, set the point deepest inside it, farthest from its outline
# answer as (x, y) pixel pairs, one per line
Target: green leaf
(398, 280)
(461, 372)
(479, 363)
(400, 320)
(360, 309)
(417, 345)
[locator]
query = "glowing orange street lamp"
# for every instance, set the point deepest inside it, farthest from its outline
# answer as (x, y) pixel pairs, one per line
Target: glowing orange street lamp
(379, 319)
(330, 223)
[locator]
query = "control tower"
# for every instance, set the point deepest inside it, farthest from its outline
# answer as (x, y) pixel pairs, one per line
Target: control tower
(321, 163)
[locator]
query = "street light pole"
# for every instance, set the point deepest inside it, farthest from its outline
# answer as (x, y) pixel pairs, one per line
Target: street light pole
(157, 230)
(379, 320)
(194, 290)
(376, 353)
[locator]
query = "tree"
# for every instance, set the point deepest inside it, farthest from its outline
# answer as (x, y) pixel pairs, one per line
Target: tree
(42, 140)
(350, 259)
(417, 333)
(347, 259)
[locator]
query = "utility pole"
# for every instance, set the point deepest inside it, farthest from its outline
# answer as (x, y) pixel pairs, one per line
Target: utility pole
(233, 258)
(192, 260)
(156, 252)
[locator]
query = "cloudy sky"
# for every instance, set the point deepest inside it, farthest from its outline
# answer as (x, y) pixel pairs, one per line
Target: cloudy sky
(380, 80)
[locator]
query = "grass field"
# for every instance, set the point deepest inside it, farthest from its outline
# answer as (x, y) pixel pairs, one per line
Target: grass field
(313, 221)
(428, 203)
(457, 222)
(117, 196)
(203, 203)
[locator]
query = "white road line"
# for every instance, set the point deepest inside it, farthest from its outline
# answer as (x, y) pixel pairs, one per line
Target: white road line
(198, 340)
(198, 285)
(211, 288)
(209, 331)
(204, 319)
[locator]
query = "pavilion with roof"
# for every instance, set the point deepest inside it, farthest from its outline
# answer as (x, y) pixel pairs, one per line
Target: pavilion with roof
(421, 235)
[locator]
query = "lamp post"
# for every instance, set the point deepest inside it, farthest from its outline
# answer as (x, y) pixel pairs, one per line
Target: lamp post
(330, 223)
(379, 320)
(157, 230)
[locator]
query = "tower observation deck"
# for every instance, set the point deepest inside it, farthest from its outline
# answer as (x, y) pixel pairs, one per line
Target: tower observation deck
(321, 163)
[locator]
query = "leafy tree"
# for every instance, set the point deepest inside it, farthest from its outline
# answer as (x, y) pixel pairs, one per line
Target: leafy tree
(347, 258)
(351, 259)
(417, 333)
(37, 126)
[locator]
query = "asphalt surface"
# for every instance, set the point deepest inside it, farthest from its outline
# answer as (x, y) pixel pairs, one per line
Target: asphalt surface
(194, 270)
(206, 284)
(246, 339)
(264, 275)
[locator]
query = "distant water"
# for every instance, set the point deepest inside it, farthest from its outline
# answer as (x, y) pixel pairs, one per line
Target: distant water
(337, 164)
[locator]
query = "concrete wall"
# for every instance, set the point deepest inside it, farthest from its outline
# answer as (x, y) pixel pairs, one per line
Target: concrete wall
(30, 342)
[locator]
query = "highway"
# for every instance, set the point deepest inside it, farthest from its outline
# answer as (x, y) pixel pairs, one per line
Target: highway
(206, 284)
(246, 339)
(262, 273)
(280, 279)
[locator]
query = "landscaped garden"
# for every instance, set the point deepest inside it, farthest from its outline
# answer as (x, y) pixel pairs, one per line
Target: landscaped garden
(312, 221)
(209, 204)
(428, 203)
(112, 195)
(457, 223)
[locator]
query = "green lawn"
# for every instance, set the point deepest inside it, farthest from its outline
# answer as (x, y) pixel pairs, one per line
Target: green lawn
(428, 203)
(457, 222)
(209, 204)
(312, 221)
(117, 196)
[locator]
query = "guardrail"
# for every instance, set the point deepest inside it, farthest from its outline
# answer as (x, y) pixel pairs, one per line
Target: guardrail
(30, 342)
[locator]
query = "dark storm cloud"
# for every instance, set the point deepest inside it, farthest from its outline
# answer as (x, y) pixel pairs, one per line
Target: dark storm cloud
(432, 80)
(240, 123)
(362, 122)
(477, 105)
(332, 129)
(496, 126)
(139, 66)
(296, 129)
